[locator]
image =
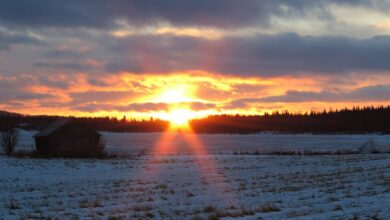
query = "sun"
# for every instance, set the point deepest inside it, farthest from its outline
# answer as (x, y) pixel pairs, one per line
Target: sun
(179, 99)
(180, 117)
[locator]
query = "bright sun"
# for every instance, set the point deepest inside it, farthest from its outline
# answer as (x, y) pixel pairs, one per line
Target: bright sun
(180, 117)
(178, 99)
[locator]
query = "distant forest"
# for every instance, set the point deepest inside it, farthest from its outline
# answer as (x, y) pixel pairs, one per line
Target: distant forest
(355, 120)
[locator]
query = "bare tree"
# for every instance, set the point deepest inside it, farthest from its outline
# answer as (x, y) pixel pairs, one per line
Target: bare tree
(101, 151)
(9, 139)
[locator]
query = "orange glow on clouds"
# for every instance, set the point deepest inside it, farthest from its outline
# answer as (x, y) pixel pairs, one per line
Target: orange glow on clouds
(177, 97)
(177, 94)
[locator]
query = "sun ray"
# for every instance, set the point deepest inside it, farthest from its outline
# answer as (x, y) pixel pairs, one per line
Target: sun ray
(173, 142)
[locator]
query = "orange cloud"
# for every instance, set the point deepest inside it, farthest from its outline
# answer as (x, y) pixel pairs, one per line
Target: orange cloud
(197, 93)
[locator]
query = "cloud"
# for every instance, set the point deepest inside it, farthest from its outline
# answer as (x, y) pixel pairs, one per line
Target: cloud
(11, 91)
(145, 107)
(67, 53)
(7, 39)
(248, 89)
(199, 106)
(75, 65)
(369, 93)
(241, 103)
(374, 93)
(79, 52)
(217, 13)
(38, 87)
(32, 96)
(102, 96)
(133, 107)
(261, 55)
(209, 91)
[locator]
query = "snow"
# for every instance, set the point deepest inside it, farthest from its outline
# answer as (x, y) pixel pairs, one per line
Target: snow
(187, 176)
(197, 186)
(217, 143)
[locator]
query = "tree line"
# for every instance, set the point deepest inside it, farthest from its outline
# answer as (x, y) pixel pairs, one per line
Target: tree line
(30, 122)
(353, 120)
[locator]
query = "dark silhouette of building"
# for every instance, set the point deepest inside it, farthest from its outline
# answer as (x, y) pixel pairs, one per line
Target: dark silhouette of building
(68, 138)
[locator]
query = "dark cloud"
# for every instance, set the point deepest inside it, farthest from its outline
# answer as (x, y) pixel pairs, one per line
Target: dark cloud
(19, 94)
(378, 93)
(144, 107)
(218, 13)
(15, 89)
(75, 65)
(199, 106)
(32, 96)
(53, 82)
(241, 103)
(281, 54)
(151, 106)
(245, 103)
(7, 39)
(16, 104)
(133, 107)
(66, 53)
(102, 96)
(93, 107)
(71, 47)
(245, 88)
(98, 82)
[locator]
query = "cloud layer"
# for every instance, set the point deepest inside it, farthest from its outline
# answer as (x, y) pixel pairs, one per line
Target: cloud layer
(261, 55)
(218, 13)
(231, 56)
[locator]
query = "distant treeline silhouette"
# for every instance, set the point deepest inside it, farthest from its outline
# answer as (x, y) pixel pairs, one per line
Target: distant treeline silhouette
(354, 120)
(30, 122)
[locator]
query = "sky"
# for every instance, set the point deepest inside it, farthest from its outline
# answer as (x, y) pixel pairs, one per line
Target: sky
(153, 58)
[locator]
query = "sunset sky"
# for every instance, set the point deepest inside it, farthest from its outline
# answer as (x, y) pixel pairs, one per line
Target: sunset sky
(166, 58)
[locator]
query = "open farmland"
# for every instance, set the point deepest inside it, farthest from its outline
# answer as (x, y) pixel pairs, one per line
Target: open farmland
(197, 187)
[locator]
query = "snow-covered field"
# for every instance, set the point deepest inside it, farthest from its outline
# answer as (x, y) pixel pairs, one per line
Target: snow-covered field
(197, 187)
(217, 143)
(187, 176)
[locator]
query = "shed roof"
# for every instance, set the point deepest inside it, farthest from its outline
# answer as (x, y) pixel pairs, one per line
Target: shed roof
(52, 127)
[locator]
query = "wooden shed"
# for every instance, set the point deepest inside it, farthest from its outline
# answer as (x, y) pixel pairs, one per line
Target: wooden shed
(67, 137)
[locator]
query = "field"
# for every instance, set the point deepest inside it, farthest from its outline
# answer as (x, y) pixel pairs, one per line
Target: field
(188, 176)
(172, 143)
(197, 187)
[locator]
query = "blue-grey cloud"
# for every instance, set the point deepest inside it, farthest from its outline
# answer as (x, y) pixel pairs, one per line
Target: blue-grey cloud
(364, 94)
(219, 13)
(8, 39)
(265, 55)
(133, 107)
(102, 96)
(15, 89)
(66, 53)
(139, 107)
(74, 65)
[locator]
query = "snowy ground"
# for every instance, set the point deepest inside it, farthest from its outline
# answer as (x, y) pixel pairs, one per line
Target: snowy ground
(197, 187)
(188, 176)
(217, 143)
